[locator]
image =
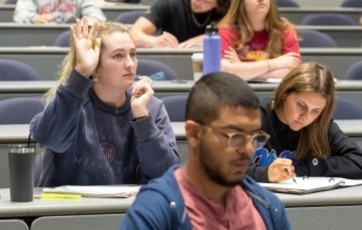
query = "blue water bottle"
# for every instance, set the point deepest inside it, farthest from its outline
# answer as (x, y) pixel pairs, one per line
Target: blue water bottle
(212, 50)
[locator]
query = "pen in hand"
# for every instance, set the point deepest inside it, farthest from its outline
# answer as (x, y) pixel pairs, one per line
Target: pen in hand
(291, 175)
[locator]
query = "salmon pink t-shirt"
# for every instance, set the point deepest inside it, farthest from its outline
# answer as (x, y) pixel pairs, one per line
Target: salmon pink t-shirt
(205, 213)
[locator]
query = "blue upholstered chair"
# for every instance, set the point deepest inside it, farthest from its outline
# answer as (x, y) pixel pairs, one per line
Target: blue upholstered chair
(129, 17)
(313, 38)
(175, 107)
(63, 39)
(155, 70)
(20, 110)
(328, 19)
(11, 2)
(12, 70)
(354, 71)
(351, 3)
(287, 3)
(347, 109)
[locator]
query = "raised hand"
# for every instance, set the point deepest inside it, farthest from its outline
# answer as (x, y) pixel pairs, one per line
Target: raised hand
(86, 45)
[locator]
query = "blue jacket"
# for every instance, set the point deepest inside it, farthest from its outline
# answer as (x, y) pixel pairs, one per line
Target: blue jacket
(91, 143)
(160, 205)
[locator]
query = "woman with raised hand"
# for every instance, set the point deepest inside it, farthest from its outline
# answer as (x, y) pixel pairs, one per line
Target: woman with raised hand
(99, 126)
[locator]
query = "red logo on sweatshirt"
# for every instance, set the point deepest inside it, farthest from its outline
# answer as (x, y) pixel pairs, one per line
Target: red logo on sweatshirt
(108, 151)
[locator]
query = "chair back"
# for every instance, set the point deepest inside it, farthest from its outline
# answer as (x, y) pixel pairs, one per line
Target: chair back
(351, 3)
(287, 3)
(328, 19)
(155, 70)
(20, 110)
(63, 39)
(354, 71)
(175, 107)
(129, 17)
(313, 38)
(11, 2)
(12, 70)
(347, 109)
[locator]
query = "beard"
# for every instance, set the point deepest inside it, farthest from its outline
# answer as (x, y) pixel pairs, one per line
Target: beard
(210, 166)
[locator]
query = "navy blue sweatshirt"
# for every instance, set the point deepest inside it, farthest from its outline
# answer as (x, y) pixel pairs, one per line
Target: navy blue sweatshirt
(90, 143)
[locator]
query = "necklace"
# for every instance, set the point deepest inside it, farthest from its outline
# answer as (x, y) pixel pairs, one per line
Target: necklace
(194, 19)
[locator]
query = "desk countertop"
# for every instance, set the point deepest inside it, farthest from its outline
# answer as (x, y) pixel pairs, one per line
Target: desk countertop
(43, 207)
(40, 207)
(19, 133)
(159, 86)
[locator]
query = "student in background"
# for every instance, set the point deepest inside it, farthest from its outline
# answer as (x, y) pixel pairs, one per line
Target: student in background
(256, 43)
(108, 130)
(211, 191)
(49, 11)
(304, 138)
(177, 23)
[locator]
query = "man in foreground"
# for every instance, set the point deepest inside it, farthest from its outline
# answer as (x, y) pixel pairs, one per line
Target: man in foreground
(211, 190)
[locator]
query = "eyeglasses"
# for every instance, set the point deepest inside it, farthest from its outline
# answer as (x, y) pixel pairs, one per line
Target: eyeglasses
(240, 139)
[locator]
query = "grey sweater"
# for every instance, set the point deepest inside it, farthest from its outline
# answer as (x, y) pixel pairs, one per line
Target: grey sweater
(64, 11)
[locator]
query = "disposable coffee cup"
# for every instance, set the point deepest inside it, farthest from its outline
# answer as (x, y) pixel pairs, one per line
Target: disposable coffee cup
(21, 172)
(197, 65)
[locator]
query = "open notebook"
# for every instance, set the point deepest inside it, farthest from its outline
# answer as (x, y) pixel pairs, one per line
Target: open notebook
(310, 184)
(115, 191)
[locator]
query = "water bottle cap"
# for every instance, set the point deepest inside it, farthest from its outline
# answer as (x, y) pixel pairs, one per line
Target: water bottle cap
(211, 29)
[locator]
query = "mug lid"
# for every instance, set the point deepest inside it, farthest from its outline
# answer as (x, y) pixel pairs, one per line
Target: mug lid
(21, 148)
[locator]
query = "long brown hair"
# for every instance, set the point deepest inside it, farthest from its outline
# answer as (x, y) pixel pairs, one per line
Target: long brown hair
(310, 77)
(68, 64)
(237, 19)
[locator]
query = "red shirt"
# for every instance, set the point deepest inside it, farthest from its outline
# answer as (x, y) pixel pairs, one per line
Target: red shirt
(256, 49)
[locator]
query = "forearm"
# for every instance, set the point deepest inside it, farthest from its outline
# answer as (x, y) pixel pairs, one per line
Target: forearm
(155, 144)
(245, 70)
(142, 39)
(277, 73)
(54, 127)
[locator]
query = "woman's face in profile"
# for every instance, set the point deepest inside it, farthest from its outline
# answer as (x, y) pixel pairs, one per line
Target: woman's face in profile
(301, 109)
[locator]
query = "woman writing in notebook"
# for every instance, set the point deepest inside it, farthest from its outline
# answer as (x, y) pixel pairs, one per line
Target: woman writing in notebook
(99, 127)
(304, 138)
(256, 43)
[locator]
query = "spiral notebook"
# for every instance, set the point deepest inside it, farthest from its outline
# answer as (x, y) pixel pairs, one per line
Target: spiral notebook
(306, 185)
(111, 191)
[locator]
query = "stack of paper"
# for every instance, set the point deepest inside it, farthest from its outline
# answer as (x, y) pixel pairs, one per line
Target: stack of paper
(310, 184)
(118, 191)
